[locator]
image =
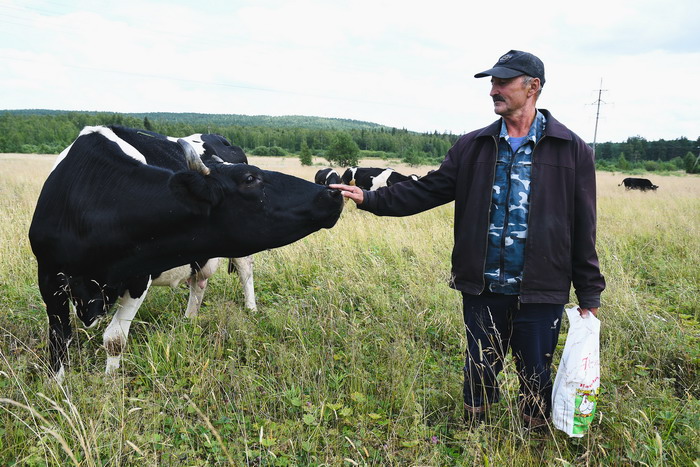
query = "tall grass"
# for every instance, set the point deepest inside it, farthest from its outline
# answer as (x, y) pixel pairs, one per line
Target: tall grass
(355, 354)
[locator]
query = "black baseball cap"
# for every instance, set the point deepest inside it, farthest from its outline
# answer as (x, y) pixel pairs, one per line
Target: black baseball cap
(516, 63)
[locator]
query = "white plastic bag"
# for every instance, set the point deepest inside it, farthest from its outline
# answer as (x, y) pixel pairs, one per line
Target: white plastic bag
(575, 391)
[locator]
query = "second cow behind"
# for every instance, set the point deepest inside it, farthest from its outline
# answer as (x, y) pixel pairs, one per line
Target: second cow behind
(372, 178)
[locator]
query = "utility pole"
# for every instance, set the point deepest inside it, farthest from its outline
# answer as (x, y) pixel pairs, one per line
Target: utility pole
(597, 113)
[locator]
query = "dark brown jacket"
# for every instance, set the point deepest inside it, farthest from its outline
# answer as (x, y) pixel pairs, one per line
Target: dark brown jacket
(560, 247)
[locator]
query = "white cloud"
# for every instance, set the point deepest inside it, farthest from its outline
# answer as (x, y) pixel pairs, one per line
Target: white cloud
(398, 63)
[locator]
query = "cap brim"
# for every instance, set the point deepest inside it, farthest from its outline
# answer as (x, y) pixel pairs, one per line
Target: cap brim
(499, 72)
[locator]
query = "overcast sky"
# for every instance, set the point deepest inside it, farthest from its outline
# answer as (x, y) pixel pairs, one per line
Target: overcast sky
(404, 63)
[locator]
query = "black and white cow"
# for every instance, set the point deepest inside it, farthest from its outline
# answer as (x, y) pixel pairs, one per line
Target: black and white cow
(643, 184)
(326, 177)
(212, 149)
(107, 221)
(371, 178)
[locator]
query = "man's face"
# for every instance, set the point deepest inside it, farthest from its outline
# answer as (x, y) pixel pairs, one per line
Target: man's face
(509, 95)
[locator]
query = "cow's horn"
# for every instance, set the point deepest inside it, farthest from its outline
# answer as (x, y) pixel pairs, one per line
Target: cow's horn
(194, 162)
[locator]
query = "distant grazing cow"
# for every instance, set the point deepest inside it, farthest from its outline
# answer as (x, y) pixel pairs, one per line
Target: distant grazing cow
(326, 177)
(371, 178)
(107, 222)
(638, 184)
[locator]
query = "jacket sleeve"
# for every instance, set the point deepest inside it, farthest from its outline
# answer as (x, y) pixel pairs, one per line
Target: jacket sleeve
(588, 281)
(414, 196)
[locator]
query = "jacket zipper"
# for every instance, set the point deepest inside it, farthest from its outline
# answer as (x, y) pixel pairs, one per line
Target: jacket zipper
(529, 217)
(486, 246)
(506, 216)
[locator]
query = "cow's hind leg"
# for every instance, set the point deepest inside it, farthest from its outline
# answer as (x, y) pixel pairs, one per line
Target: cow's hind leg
(115, 336)
(244, 267)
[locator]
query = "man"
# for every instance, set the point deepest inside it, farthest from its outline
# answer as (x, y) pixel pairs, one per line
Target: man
(525, 226)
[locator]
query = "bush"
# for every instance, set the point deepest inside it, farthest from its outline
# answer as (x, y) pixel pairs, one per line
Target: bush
(414, 158)
(343, 151)
(29, 149)
(690, 162)
(651, 166)
(605, 164)
(384, 155)
(305, 155)
(678, 163)
(269, 151)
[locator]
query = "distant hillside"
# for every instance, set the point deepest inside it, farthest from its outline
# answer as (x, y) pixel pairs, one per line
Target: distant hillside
(50, 131)
(288, 121)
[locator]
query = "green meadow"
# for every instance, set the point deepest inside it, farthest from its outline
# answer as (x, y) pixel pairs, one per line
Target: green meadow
(355, 354)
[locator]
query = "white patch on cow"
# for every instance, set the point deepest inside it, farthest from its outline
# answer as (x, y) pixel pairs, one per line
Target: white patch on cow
(61, 156)
(353, 171)
(173, 277)
(115, 336)
(331, 172)
(196, 142)
(126, 148)
(381, 179)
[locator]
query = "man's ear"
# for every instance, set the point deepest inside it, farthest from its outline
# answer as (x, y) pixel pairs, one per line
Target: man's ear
(192, 189)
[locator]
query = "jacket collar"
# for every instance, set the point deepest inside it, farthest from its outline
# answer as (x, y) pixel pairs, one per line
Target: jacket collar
(553, 128)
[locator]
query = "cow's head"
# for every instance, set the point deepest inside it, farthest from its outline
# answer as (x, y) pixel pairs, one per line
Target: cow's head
(254, 209)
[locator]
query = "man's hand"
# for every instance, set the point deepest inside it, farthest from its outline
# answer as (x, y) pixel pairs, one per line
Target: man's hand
(583, 312)
(354, 193)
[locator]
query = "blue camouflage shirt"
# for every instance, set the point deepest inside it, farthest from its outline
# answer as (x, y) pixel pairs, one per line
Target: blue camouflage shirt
(510, 202)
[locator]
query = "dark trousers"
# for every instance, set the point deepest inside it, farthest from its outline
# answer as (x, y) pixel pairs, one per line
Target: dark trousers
(496, 323)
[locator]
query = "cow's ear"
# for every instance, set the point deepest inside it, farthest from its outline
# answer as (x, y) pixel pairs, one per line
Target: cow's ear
(193, 190)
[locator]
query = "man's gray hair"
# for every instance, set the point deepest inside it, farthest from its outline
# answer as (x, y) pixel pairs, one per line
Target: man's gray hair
(526, 82)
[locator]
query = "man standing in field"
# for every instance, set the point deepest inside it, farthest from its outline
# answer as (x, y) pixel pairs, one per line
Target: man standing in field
(525, 227)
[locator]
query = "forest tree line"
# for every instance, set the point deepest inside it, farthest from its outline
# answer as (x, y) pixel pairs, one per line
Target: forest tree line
(49, 132)
(23, 132)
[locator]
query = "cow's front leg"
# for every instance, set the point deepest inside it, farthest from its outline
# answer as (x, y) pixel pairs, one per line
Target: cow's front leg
(115, 336)
(60, 335)
(54, 290)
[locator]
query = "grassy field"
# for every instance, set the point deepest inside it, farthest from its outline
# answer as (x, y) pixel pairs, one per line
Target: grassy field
(355, 354)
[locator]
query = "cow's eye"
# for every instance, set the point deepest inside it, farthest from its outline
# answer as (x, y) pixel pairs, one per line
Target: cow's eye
(250, 179)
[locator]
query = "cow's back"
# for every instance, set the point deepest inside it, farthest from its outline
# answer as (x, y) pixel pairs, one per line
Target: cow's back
(159, 150)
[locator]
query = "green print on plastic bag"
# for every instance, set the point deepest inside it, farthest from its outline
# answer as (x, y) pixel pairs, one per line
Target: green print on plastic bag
(585, 409)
